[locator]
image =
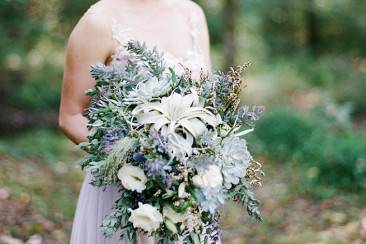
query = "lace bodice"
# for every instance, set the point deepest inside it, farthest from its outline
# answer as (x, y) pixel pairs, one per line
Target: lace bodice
(193, 58)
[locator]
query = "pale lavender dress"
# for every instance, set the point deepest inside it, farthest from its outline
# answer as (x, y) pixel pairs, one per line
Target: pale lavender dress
(95, 203)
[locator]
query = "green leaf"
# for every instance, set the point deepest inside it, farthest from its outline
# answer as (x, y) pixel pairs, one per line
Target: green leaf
(174, 76)
(168, 194)
(195, 238)
(171, 226)
(97, 123)
(90, 92)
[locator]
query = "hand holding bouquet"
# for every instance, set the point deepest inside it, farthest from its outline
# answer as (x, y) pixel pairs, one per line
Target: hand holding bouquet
(174, 145)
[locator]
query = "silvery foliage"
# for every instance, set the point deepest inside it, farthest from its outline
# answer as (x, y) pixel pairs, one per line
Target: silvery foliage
(247, 115)
(234, 158)
(105, 171)
(210, 198)
(231, 154)
(146, 91)
(209, 139)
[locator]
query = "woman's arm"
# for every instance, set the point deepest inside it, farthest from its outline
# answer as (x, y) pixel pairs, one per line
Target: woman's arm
(90, 42)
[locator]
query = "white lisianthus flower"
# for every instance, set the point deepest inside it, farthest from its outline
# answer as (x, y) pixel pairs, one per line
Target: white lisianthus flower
(132, 178)
(212, 177)
(146, 217)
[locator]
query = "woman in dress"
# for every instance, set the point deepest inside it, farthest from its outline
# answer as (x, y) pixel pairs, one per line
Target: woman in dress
(176, 27)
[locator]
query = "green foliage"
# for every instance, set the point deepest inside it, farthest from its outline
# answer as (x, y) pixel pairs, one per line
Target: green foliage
(342, 77)
(38, 91)
(20, 28)
(32, 35)
(243, 195)
(283, 133)
(42, 144)
(337, 160)
(105, 171)
(331, 155)
(288, 26)
(70, 11)
(351, 90)
(277, 28)
(153, 58)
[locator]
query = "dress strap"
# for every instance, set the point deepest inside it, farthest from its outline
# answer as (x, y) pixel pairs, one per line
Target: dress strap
(120, 34)
(194, 25)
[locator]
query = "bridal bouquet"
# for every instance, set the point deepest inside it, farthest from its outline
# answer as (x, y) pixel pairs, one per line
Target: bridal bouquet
(173, 144)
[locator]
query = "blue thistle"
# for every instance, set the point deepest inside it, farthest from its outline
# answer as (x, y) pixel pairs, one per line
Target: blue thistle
(157, 167)
(110, 137)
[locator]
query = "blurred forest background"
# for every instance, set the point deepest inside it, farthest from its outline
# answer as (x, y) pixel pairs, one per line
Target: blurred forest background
(309, 70)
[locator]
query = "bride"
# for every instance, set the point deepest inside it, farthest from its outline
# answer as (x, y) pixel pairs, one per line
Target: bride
(176, 27)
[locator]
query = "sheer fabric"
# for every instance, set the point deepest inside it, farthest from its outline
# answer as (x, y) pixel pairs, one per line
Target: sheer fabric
(193, 58)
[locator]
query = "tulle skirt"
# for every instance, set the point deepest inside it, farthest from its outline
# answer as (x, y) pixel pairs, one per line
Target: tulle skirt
(93, 205)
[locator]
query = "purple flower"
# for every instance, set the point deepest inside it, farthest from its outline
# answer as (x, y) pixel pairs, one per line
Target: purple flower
(153, 168)
(110, 137)
(159, 141)
(259, 110)
(215, 232)
(248, 114)
(168, 182)
(157, 167)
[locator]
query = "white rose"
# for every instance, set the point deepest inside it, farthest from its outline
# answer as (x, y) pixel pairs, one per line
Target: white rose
(146, 217)
(212, 177)
(132, 178)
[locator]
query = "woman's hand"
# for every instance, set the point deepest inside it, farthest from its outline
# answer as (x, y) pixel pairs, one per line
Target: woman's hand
(90, 42)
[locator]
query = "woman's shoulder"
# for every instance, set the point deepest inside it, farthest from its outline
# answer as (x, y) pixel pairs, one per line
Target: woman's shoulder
(92, 33)
(95, 20)
(192, 9)
(101, 7)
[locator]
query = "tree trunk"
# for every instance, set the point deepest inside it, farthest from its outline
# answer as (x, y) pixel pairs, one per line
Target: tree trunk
(311, 26)
(230, 16)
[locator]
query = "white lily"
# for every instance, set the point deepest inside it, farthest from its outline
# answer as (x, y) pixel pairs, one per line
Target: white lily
(179, 118)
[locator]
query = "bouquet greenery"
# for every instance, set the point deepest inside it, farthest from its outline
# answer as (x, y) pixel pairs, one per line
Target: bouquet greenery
(173, 145)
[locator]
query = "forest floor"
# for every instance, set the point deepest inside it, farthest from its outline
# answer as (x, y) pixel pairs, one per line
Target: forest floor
(39, 186)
